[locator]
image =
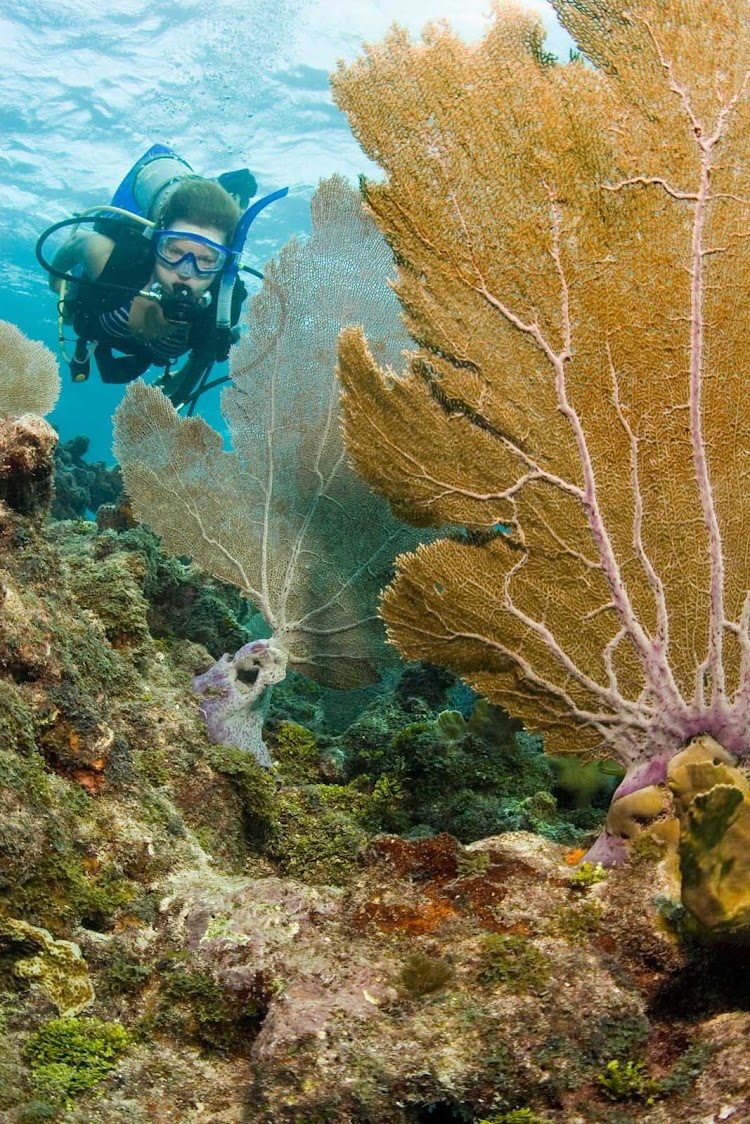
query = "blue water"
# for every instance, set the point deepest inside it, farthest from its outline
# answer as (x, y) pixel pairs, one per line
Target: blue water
(86, 88)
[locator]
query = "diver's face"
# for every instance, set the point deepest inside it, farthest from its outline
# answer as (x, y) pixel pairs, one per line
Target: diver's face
(183, 271)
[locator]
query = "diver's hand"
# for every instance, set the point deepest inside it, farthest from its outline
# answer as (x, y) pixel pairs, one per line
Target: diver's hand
(166, 381)
(179, 385)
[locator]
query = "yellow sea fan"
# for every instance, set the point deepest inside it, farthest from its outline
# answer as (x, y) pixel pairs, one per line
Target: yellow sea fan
(574, 270)
(29, 375)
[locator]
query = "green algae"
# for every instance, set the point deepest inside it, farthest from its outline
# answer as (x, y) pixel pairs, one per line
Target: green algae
(513, 962)
(254, 785)
(578, 923)
(184, 603)
(195, 1006)
(626, 1081)
(319, 833)
(472, 777)
(473, 863)
(687, 1069)
(68, 1057)
(424, 975)
(43, 873)
(296, 750)
(646, 849)
(17, 733)
(586, 876)
(111, 588)
(126, 975)
(58, 968)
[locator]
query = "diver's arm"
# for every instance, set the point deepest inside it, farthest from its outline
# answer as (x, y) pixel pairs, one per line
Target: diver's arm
(88, 249)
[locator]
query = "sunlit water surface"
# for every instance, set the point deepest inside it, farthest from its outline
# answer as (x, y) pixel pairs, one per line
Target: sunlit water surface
(85, 89)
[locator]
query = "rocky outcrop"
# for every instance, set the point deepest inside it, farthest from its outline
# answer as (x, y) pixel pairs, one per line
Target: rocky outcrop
(27, 446)
(176, 896)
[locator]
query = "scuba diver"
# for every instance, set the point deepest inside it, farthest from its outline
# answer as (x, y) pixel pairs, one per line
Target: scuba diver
(157, 275)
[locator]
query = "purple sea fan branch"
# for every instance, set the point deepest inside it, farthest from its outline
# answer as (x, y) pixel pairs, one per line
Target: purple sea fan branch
(658, 673)
(609, 696)
(706, 144)
(587, 495)
(716, 557)
(662, 617)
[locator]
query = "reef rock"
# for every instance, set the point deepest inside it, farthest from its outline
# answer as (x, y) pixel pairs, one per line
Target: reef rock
(27, 446)
(463, 982)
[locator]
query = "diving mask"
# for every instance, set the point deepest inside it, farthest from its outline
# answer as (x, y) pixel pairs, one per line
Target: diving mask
(190, 254)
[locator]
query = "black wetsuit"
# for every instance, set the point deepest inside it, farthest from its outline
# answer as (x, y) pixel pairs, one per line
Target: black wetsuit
(101, 313)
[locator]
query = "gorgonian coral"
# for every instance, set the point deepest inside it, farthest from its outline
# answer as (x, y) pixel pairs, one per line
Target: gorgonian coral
(575, 268)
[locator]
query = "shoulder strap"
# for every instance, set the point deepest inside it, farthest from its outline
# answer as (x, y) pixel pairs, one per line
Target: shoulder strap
(129, 266)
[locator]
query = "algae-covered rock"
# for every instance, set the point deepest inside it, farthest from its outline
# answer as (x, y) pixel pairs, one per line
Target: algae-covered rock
(58, 968)
(263, 952)
(27, 446)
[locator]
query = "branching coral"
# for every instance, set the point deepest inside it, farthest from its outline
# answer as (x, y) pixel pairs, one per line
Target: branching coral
(574, 264)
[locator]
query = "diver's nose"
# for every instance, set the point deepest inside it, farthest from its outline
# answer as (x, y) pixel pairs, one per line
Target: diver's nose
(186, 267)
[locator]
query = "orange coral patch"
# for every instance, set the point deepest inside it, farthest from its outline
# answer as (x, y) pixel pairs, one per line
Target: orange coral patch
(390, 917)
(423, 859)
(480, 894)
(91, 781)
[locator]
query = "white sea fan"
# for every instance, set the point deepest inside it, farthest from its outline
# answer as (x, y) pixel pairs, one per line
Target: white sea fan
(284, 517)
(29, 374)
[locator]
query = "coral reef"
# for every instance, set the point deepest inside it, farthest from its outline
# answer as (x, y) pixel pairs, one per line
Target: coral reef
(185, 936)
(82, 486)
(433, 770)
(567, 407)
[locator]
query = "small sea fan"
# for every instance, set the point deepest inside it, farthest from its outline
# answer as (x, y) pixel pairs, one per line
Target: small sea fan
(29, 375)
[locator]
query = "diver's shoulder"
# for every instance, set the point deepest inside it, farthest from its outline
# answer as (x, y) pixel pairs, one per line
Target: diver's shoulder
(95, 251)
(91, 250)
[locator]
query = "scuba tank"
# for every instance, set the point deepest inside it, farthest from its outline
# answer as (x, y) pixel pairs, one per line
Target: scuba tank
(150, 181)
(153, 178)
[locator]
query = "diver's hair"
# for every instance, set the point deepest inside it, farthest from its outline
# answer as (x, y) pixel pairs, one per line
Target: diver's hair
(202, 202)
